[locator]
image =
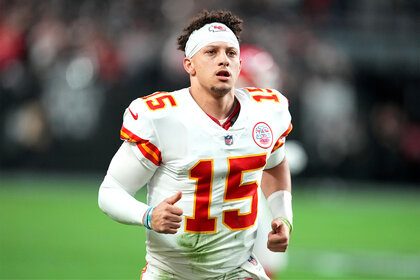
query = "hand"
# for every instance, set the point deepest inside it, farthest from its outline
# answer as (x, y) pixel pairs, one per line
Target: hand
(166, 217)
(278, 238)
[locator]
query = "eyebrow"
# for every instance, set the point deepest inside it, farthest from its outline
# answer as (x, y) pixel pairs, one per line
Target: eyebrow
(218, 47)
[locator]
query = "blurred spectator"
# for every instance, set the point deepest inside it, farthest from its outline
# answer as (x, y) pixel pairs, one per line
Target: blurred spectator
(350, 69)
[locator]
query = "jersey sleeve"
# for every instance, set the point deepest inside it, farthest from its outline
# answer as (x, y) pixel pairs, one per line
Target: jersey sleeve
(138, 128)
(125, 176)
(282, 114)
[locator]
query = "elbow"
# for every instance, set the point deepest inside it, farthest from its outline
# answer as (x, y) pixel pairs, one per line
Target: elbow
(101, 199)
(100, 203)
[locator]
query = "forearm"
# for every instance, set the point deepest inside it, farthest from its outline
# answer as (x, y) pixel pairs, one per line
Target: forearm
(276, 179)
(125, 176)
(276, 186)
(118, 204)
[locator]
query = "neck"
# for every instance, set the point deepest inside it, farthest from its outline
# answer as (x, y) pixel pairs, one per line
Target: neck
(217, 105)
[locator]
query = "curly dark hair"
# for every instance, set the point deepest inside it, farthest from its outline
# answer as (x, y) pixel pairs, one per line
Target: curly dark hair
(205, 17)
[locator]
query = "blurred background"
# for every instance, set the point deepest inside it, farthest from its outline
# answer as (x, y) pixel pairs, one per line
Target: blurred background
(351, 72)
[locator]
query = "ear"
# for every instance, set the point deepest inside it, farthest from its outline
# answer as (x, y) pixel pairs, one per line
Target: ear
(189, 66)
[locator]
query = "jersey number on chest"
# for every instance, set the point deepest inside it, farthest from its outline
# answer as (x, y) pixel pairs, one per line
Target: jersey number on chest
(202, 172)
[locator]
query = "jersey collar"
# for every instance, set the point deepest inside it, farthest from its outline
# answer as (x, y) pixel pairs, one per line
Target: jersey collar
(231, 119)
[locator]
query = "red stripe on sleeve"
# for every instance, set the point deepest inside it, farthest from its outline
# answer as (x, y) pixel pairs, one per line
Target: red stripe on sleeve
(287, 131)
(129, 136)
(149, 151)
(155, 158)
(280, 142)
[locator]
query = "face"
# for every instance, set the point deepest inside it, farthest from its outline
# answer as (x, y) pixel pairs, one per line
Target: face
(215, 67)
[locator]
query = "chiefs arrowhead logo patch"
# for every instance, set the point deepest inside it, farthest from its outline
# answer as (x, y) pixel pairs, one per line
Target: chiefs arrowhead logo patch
(262, 135)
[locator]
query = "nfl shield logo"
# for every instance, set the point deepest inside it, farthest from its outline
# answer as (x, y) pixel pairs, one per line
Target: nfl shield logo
(252, 260)
(228, 140)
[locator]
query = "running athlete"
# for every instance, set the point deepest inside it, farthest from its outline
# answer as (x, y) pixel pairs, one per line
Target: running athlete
(206, 153)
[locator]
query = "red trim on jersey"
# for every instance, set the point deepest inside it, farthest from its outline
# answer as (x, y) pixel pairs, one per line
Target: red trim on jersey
(281, 140)
(287, 130)
(214, 119)
(143, 271)
(278, 144)
(227, 124)
(149, 151)
(127, 135)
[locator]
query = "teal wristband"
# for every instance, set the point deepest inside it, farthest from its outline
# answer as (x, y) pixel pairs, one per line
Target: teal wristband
(148, 222)
(147, 218)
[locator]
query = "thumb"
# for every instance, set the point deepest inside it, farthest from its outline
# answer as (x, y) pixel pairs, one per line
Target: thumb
(175, 198)
(276, 225)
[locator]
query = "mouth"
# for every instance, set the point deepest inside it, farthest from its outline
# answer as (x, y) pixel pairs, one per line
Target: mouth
(223, 75)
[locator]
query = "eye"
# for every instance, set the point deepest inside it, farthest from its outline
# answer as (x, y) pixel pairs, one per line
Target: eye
(232, 53)
(211, 51)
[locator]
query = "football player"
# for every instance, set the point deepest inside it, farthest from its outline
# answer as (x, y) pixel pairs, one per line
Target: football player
(207, 154)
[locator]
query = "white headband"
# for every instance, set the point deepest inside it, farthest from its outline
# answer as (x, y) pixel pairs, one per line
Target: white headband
(209, 33)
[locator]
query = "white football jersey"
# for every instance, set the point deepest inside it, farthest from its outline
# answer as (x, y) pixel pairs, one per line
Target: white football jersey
(218, 169)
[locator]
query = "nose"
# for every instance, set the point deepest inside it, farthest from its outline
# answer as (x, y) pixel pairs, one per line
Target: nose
(223, 59)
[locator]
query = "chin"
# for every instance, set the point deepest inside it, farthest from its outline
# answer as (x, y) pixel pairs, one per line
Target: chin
(221, 90)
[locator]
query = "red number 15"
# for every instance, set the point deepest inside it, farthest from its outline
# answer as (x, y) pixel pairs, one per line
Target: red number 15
(202, 172)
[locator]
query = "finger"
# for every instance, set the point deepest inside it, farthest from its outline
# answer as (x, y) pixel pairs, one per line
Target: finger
(172, 228)
(277, 243)
(175, 225)
(167, 227)
(175, 218)
(277, 247)
(170, 231)
(176, 210)
(277, 238)
(173, 199)
(272, 244)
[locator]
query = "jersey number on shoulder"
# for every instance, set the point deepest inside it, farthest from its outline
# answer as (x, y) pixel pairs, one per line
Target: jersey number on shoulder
(268, 94)
(202, 172)
(156, 101)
